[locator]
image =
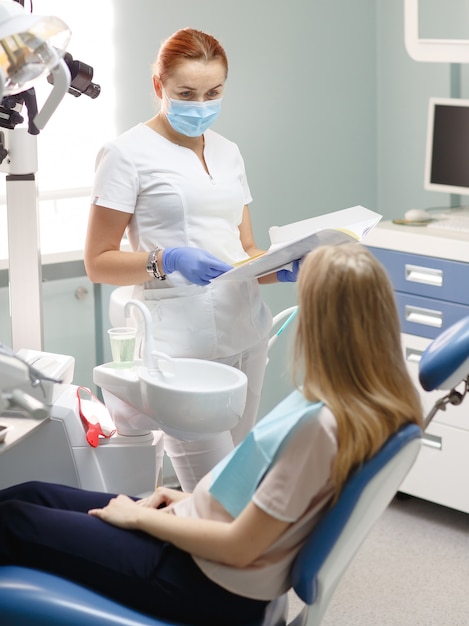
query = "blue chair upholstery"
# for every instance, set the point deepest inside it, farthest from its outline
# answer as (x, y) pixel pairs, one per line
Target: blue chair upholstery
(335, 540)
(32, 598)
(445, 362)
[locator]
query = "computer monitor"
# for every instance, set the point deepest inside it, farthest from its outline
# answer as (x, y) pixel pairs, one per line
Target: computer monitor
(447, 148)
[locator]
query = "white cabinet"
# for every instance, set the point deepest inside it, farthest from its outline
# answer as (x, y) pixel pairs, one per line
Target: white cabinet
(439, 474)
(69, 317)
(69, 324)
(429, 270)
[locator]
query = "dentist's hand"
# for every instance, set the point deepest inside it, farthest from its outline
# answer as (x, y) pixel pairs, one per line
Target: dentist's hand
(196, 265)
(289, 276)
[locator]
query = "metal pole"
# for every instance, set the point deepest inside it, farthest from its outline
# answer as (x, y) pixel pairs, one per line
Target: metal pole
(25, 272)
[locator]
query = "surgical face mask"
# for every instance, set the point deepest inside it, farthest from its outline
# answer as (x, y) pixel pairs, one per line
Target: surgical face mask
(192, 118)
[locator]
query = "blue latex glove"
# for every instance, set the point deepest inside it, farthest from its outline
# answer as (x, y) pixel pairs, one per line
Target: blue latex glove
(196, 265)
(289, 276)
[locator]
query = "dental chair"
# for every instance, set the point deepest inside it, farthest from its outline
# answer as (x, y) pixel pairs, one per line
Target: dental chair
(31, 598)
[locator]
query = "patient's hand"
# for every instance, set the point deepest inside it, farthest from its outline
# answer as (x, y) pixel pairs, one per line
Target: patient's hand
(121, 511)
(162, 497)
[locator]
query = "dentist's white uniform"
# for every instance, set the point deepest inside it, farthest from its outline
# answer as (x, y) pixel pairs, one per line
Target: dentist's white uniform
(174, 202)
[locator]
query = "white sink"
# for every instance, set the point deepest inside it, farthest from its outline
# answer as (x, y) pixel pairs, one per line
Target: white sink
(187, 398)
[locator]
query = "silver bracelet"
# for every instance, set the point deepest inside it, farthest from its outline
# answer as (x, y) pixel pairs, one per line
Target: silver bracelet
(152, 265)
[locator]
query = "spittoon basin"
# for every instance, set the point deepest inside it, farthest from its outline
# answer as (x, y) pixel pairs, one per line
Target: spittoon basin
(187, 398)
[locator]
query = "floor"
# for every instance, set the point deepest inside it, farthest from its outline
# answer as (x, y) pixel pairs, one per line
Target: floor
(412, 570)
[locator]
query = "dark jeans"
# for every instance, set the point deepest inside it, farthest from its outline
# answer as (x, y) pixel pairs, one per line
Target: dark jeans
(46, 526)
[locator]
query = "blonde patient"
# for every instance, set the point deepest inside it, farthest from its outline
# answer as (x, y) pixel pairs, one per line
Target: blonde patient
(206, 558)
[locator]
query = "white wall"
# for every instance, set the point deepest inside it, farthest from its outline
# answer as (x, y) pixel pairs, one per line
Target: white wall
(403, 89)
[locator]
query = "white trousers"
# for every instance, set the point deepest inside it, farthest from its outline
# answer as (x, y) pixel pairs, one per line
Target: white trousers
(191, 460)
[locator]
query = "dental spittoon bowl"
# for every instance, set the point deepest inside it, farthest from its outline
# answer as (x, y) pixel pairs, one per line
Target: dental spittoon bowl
(193, 396)
(187, 398)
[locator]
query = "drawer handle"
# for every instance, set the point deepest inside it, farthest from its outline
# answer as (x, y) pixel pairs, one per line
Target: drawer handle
(412, 355)
(418, 315)
(425, 275)
(432, 441)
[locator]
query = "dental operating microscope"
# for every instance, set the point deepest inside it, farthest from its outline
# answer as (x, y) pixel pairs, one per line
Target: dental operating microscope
(19, 161)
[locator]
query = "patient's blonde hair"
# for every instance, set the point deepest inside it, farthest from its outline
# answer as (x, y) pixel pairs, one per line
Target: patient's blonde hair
(348, 341)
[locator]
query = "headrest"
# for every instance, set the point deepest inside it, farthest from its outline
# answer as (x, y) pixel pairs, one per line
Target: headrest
(445, 363)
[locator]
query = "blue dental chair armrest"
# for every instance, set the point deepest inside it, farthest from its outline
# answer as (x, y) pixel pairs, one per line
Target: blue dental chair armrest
(445, 363)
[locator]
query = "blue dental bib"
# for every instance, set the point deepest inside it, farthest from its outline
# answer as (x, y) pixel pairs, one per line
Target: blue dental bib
(237, 476)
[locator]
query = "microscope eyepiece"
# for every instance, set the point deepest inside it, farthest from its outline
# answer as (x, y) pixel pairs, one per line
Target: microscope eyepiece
(81, 76)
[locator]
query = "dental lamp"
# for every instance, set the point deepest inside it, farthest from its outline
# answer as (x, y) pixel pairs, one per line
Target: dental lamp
(31, 47)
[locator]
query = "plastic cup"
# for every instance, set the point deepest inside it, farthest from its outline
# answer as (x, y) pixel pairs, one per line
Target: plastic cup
(122, 346)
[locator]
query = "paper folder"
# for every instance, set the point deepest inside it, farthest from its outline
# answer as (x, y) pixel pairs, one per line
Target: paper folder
(293, 241)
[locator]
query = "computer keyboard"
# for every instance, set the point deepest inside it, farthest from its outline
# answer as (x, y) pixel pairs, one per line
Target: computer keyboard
(456, 224)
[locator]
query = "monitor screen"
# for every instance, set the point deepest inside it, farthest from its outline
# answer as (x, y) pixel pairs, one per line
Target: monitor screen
(447, 149)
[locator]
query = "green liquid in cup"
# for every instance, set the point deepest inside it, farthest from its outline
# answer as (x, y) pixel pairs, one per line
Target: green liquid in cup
(123, 351)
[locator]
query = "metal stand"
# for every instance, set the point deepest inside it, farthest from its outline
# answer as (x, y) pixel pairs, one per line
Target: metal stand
(19, 162)
(25, 273)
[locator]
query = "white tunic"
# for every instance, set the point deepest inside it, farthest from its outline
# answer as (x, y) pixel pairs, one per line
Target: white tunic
(174, 202)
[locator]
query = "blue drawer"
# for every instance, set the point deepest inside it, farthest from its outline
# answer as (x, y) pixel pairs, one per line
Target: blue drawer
(427, 317)
(426, 276)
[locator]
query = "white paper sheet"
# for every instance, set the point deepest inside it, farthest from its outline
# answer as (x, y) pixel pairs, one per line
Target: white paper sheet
(294, 240)
(357, 219)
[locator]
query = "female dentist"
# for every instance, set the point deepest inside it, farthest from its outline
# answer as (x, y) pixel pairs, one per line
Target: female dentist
(180, 192)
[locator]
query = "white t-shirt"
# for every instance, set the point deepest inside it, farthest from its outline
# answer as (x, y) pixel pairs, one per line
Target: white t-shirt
(296, 489)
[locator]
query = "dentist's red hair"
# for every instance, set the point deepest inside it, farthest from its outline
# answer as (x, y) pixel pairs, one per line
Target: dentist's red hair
(187, 44)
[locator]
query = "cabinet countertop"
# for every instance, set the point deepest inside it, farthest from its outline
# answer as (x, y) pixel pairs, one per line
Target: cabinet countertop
(19, 427)
(64, 256)
(420, 240)
(53, 258)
